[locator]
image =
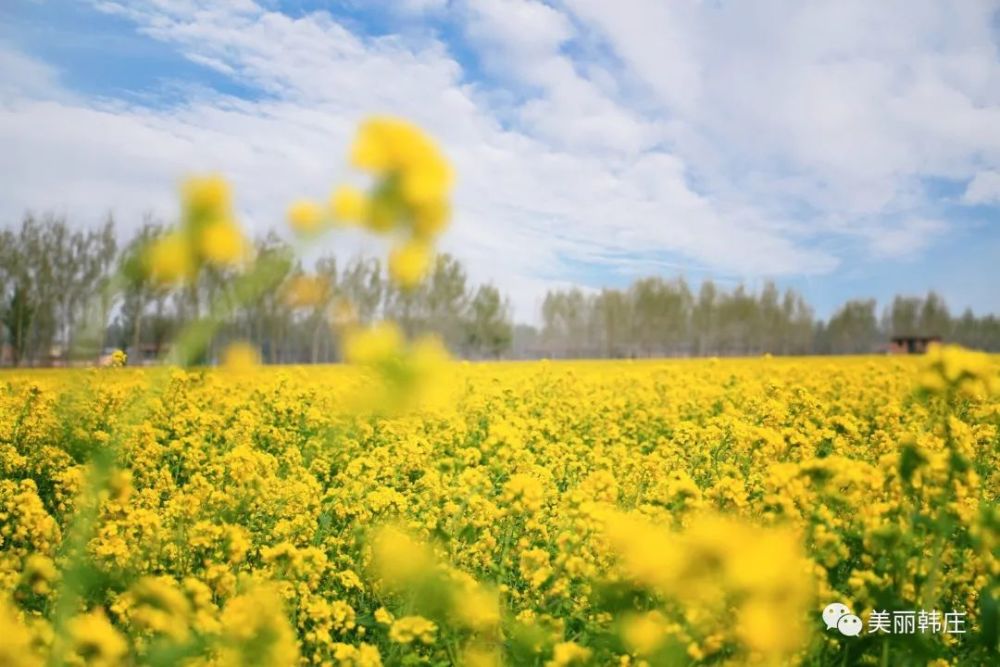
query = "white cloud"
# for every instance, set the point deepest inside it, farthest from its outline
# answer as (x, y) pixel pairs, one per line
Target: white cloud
(525, 29)
(25, 77)
(905, 239)
(656, 41)
(859, 99)
(984, 188)
(735, 138)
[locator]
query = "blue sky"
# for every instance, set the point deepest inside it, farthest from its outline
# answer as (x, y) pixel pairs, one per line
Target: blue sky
(847, 149)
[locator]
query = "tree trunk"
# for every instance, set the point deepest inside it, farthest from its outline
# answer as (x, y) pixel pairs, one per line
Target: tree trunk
(137, 335)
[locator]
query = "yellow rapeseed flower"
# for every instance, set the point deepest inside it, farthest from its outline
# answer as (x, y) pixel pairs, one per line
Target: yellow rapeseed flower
(39, 573)
(408, 264)
(305, 291)
(385, 144)
(348, 204)
(430, 218)
(398, 558)
(568, 653)
(375, 344)
(241, 356)
(966, 371)
(306, 216)
(95, 641)
(644, 634)
(426, 181)
(479, 656)
(206, 197)
(413, 185)
(170, 259)
(16, 647)
(476, 607)
(256, 631)
(412, 628)
(222, 243)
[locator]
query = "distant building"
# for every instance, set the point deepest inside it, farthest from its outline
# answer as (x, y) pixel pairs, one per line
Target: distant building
(911, 344)
(57, 356)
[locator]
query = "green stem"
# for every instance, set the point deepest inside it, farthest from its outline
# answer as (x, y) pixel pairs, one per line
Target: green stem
(192, 342)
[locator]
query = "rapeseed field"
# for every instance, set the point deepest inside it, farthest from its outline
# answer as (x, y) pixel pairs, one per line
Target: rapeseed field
(542, 513)
(408, 509)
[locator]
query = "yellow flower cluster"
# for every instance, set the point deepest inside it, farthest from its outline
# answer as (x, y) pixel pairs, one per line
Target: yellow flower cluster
(952, 367)
(410, 197)
(118, 359)
(412, 628)
(405, 373)
(241, 357)
(207, 235)
(628, 513)
(714, 567)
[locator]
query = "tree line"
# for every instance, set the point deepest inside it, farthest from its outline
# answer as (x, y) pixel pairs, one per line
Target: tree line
(53, 276)
(659, 317)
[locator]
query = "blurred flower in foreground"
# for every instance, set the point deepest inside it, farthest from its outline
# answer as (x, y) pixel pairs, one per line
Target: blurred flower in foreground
(406, 568)
(255, 630)
(304, 291)
(398, 559)
(952, 367)
(39, 574)
(408, 263)
(16, 646)
(348, 204)
(644, 634)
(410, 195)
(392, 146)
(306, 217)
(343, 314)
(717, 564)
(241, 356)
(568, 653)
(478, 656)
(94, 641)
(408, 372)
(170, 259)
(158, 605)
(208, 234)
(382, 343)
(206, 197)
(222, 243)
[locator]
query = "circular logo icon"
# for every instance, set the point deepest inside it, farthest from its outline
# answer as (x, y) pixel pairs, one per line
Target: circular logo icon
(832, 614)
(849, 625)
